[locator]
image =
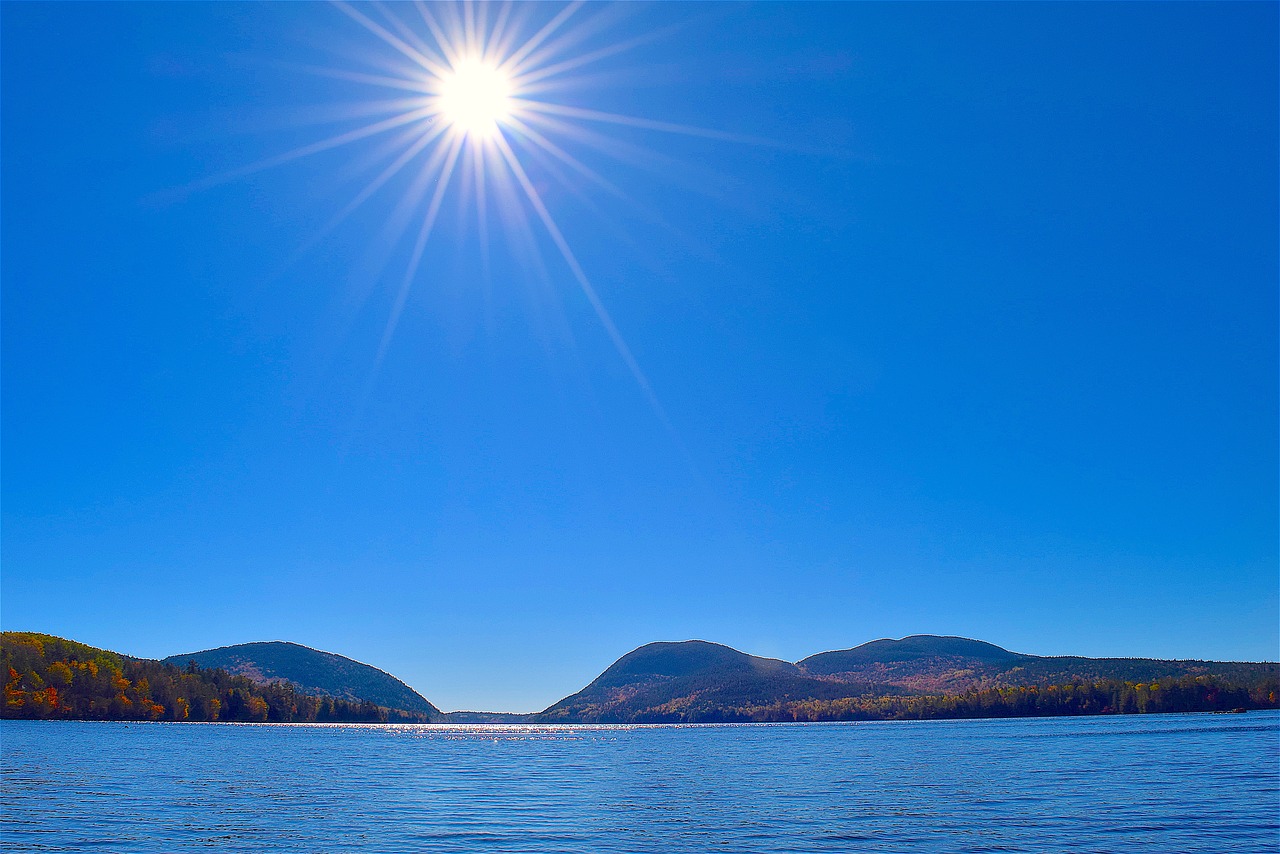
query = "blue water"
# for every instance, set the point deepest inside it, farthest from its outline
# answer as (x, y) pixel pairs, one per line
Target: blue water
(1167, 783)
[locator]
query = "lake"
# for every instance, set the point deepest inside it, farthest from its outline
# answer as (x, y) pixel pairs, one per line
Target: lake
(1167, 783)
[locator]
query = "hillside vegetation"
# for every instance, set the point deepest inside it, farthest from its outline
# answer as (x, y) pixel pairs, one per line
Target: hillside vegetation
(693, 680)
(918, 677)
(50, 677)
(929, 664)
(312, 672)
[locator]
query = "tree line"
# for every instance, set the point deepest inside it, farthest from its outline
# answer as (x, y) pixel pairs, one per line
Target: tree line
(1098, 697)
(49, 677)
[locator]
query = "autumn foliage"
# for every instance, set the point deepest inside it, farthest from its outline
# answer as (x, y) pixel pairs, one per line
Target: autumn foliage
(49, 677)
(1098, 697)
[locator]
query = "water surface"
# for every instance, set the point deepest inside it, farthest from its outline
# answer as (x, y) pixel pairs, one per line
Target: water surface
(1168, 783)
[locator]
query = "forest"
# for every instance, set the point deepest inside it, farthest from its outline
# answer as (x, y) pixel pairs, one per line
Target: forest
(49, 677)
(1101, 697)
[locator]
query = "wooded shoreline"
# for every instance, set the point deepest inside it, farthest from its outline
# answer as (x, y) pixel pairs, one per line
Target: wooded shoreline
(54, 678)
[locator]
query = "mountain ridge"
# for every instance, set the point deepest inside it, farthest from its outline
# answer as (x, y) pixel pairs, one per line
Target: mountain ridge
(312, 671)
(701, 681)
(696, 676)
(918, 676)
(943, 663)
(46, 676)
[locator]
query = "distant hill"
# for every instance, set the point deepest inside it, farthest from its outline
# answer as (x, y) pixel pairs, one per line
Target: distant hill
(917, 676)
(465, 717)
(918, 663)
(913, 649)
(688, 681)
(321, 674)
(51, 677)
(936, 664)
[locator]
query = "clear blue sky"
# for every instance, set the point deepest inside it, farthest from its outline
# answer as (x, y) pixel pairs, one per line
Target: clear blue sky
(985, 344)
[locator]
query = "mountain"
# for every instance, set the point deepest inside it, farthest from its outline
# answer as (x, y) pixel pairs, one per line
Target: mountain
(915, 648)
(918, 663)
(914, 677)
(688, 681)
(321, 674)
(51, 677)
(935, 664)
(917, 677)
(464, 717)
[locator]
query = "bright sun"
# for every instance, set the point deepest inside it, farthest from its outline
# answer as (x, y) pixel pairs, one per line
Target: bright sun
(482, 101)
(474, 97)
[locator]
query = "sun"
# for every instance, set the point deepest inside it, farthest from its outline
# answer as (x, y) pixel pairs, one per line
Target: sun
(475, 99)
(475, 96)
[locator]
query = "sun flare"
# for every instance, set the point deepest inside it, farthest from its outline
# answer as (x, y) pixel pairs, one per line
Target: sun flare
(475, 104)
(474, 97)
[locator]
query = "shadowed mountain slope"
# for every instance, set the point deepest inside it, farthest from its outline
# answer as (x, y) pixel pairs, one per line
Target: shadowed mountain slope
(918, 663)
(934, 664)
(916, 677)
(697, 681)
(914, 649)
(313, 672)
(55, 678)
(688, 681)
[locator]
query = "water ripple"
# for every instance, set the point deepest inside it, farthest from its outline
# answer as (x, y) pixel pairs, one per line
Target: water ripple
(1185, 783)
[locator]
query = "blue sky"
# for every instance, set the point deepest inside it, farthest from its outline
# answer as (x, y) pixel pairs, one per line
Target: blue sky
(964, 321)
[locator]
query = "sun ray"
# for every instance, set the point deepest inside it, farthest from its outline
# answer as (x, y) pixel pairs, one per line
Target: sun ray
(480, 104)
(565, 179)
(563, 41)
(638, 122)
(419, 246)
(470, 30)
(412, 38)
(525, 80)
(386, 150)
(568, 159)
(447, 46)
(480, 170)
(482, 213)
(497, 38)
(338, 112)
(622, 151)
(551, 159)
(602, 313)
(401, 216)
(386, 81)
(397, 43)
(507, 30)
(367, 192)
(309, 149)
(511, 64)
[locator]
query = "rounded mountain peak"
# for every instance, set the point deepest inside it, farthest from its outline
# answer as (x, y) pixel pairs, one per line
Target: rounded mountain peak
(907, 649)
(676, 659)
